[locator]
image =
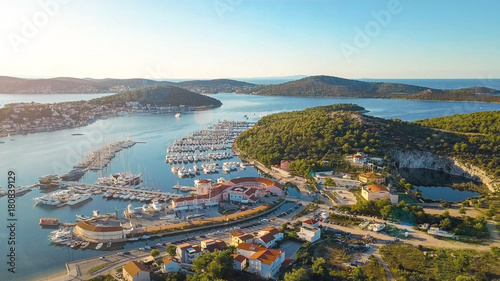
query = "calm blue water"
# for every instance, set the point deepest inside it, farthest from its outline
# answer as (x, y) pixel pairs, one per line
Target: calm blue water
(55, 152)
(445, 193)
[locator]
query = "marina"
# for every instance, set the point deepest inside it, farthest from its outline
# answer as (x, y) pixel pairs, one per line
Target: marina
(99, 159)
(160, 132)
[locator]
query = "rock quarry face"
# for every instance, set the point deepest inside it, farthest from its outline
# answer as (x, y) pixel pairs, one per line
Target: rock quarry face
(427, 160)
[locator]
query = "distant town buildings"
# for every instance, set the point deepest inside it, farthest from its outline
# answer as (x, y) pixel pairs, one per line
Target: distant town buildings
(241, 190)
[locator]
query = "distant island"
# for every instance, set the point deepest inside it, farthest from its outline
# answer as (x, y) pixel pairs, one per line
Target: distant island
(23, 118)
(329, 86)
(60, 85)
(322, 138)
(312, 86)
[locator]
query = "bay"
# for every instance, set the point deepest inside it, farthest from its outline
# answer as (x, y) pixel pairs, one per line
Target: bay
(32, 156)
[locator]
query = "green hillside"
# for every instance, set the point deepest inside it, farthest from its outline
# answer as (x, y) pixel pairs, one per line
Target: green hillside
(160, 96)
(332, 132)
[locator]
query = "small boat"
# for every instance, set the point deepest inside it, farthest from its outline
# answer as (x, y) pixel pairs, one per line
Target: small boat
(108, 245)
(99, 246)
(177, 115)
(133, 239)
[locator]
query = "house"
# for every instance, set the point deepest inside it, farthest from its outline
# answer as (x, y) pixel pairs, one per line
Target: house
(266, 263)
(378, 191)
(311, 222)
(210, 245)
(371, 177)
(135, 271)
(309, 233)
(238, 237)
(247, 249)
(170, 265)
(266, 240)
(261, 260)
(284, 165)
(275, 232)
(358, 158)
(240, 262)
(186, 253)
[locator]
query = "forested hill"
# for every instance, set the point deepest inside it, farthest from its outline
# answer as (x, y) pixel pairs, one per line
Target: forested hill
(332, 132)
(160, 96)
(12, 85)
(485, 122)
(328, 86)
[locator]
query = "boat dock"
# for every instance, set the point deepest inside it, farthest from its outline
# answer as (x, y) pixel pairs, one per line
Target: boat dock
(97, 160)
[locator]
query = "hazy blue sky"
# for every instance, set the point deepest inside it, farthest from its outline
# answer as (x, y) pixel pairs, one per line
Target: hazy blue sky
(232, 38)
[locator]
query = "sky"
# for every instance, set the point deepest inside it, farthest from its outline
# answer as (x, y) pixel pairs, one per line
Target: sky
(209, 39)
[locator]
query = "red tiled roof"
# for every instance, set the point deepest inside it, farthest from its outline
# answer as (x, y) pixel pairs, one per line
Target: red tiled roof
(310, 221)
(250, 247)
(272, 230)
(239, 258)
(167, 260)
(266, 256)
(133, 268)
(250, 191)
(204, 181)
(371, 176)
(268, 237)
(267, 182)
(236, 233)
(287, 262)
(245, 237)
(376, 188)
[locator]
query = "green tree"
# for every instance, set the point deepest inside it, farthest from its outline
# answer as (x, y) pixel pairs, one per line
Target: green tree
(171, 250)
(386, 211)
(297, 275)
(154, 253)
(330, 182)
(462, 210)
(462, 262)
(491, 211)
(357, 274)
(319, 267)
(445, 224)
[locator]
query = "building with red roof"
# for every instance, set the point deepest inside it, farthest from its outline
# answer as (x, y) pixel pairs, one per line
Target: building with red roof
(135, 271)
(378, 191)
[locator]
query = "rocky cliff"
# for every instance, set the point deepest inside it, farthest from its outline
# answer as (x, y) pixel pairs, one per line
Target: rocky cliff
(427, 160)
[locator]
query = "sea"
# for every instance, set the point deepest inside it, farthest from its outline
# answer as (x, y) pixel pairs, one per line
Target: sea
(34, 155)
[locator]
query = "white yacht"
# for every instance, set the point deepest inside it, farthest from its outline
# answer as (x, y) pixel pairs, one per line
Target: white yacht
(178, 115)
(47, 200)
(78, 198)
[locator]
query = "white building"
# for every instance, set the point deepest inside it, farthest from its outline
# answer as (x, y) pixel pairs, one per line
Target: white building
(96, 233)
(240, 262)
(262, 261)
(377, 191)
(186, 253)
(309, 233)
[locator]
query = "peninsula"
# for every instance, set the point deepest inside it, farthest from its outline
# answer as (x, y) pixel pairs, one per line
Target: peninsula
(23, 118)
